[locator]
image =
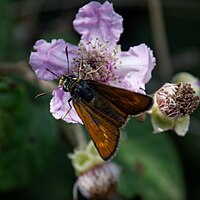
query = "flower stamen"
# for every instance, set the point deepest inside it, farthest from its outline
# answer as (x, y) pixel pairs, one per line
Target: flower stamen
(177, 100)
(96, 61)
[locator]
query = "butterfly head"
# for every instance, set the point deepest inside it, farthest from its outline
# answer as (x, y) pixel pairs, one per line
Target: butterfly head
(67, 82)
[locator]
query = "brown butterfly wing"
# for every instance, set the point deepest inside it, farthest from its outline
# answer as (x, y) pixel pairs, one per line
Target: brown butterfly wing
(104, 133)
(131, 103)
(104, 108)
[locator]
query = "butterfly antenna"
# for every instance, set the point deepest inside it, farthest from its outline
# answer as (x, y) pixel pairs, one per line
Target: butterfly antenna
(52, 73)
(67, 55)
(42, 94)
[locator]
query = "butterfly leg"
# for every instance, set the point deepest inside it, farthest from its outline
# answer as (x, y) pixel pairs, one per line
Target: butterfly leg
(70, 107)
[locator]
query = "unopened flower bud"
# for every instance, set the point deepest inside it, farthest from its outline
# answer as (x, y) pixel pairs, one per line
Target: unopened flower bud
(99, 182)
(96, 178)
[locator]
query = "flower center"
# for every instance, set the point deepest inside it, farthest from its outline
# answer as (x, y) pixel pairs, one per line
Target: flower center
(95, 61)
(177, 100)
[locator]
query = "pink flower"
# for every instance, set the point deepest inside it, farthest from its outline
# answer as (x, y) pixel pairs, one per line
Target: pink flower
(98, 54)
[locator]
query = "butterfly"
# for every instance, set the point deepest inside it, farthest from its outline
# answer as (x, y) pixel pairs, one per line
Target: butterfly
(103, 109)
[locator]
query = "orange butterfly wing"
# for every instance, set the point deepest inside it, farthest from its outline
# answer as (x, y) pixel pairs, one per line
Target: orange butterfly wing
(107, 112)
(104, 134)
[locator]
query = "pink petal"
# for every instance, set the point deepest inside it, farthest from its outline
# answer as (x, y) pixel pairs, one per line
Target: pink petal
(59, 106)
(136, 68)
(51, 56)
(98, 21)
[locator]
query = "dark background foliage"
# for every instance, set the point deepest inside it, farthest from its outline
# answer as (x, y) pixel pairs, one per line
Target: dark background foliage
(33, 145)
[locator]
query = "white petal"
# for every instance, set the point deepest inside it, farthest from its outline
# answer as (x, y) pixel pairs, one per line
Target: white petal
(182, 125)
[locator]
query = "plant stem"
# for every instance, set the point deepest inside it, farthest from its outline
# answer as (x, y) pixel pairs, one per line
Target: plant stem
(160, 40)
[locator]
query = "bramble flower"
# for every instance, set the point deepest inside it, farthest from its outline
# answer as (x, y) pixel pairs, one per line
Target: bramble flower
(97, 57)
(173, 105)
(96, 179)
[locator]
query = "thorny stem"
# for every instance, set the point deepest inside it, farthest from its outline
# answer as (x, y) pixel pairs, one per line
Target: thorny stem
(74, 134)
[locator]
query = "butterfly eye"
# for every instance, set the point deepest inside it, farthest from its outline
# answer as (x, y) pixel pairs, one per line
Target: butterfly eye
(65, 84)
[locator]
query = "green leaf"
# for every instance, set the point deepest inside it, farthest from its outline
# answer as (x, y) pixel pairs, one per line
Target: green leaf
(150, 164)
(28, 134)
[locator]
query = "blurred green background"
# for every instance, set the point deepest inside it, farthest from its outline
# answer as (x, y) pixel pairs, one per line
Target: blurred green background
(34, 146)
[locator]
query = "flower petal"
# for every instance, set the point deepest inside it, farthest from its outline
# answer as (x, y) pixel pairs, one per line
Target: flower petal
(160, 122)
(136, 67)
(182, 125)
(98, 21)
(51, 56)
(59, 107)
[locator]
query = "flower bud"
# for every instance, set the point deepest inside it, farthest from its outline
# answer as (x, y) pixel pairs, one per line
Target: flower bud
(96, 178)
(99, 182)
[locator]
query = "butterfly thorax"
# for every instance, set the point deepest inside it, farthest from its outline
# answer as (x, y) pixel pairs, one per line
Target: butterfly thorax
(78, 88)
(67, 82)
